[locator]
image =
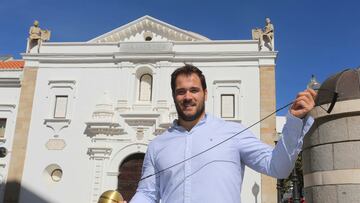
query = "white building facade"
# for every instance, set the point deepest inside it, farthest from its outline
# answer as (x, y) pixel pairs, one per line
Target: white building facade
(10, 84)
(96, 105)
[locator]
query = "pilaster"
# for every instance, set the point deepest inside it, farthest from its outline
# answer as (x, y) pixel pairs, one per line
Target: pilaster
(13, 185)
(268, 126)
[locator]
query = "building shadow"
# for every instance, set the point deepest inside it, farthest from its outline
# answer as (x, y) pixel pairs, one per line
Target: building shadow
(9, 194)
(255, 191)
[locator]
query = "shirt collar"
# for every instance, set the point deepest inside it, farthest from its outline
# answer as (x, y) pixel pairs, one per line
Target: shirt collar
(176, 126)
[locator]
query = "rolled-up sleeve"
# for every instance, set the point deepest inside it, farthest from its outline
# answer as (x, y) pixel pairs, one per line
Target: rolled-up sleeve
(148, 189)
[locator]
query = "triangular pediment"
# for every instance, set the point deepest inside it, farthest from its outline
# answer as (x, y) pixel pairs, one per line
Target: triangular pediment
(148, 28)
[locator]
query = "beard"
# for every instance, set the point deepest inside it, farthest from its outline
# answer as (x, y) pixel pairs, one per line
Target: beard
(199, 111)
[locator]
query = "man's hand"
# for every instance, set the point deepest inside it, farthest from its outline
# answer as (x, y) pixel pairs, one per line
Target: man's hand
(304, 102)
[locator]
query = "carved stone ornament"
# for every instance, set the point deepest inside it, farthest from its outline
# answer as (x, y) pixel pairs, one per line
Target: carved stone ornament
(99, 152)
(140, 134)
(103, 128)
(55, 144)
(140, 122)
(256, 33)
(57, 125)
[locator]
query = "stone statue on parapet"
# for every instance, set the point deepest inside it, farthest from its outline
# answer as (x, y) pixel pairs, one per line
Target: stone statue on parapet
(265, 35)
(36, 36)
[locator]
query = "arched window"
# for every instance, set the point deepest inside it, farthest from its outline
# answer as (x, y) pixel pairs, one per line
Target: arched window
(145, 90)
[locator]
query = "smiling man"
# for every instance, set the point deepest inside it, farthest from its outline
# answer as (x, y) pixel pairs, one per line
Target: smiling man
(189, 93)
(187, 166)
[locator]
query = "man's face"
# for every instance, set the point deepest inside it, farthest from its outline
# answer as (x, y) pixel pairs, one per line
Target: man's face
(189, 97)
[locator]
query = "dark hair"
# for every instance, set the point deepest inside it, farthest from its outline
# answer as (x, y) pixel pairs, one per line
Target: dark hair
(187, 70)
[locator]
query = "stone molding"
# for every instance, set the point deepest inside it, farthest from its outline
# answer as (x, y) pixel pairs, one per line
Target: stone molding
(56, 124)
(262, 58)
(151, 24)
(334, 177)
(7, 107)
(10, 82)
(103, 128)
(62, 84)
(99, 152)
(340, 107)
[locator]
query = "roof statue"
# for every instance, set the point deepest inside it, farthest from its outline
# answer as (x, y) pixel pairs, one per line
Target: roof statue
(265, 35)
(36, 36)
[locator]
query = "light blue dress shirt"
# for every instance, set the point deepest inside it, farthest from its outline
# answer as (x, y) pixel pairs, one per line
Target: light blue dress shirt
(216, 175)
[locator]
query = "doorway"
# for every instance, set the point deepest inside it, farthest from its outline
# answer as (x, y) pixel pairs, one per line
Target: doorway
(129, 175)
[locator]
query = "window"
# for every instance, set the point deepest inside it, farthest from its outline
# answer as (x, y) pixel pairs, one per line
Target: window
(60, 106)
(228, 99)
(56, 175)
(2, 127)
(145, 91)
(227, 106)
(148, 36)
(53, 173)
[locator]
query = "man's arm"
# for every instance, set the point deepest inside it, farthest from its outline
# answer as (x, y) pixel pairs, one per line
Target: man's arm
(148, 189)
(279, 162)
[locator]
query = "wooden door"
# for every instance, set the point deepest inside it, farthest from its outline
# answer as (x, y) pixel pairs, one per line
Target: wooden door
(130, 174)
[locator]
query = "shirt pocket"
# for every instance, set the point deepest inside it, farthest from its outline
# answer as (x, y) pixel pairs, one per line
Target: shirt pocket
(226, 154)
(223, 154)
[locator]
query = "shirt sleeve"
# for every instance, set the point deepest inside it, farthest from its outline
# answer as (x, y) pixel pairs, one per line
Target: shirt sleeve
(148, 189)
(279, 161)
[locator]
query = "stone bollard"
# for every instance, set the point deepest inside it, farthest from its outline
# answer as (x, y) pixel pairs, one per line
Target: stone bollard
(331, 151)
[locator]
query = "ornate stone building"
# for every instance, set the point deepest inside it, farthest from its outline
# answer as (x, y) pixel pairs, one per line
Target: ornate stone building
(89, 109)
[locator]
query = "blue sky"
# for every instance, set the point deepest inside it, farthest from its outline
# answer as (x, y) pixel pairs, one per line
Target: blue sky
(312, 37)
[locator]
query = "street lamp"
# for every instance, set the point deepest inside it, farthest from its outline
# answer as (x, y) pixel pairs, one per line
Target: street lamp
(313, 84)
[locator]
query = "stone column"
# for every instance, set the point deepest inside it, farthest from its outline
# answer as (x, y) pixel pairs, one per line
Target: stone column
(268, 126)
(13, 183)
(331, 154)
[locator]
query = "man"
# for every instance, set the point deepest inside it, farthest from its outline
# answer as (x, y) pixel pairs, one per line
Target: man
(217, 174)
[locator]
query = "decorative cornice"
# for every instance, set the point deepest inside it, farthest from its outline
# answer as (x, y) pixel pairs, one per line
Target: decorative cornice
(140, 115)
(99, 152)
(154, 51)
(167, 56)
(10, 82)
(110, 140)
(7, 107)
(62, 83)
(148, 23)
(103, 128)
(118, 44)
(140, 122)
